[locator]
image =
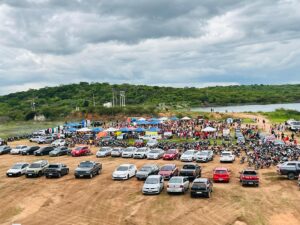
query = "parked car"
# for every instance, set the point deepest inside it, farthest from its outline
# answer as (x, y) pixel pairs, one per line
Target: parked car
(178, 184)
(104, 151)
(152, 143)
(58, 143)
(88, 169)
(205, 156)
(249, 177)
(155, 154)
(43, 151)
(58, 151)
(35, 139)
(4, 149)
(168, 171)
(188, 156)
(227, 156)
(116, 152)
(36, 169)
(81, 151)
(128, 152)
(147, 170)
(30, 150)
(56, 170)
(141, 153)
(18, 149)
(191, 171)
(45, 140)
(171, 154)
(124, 172)
(139, 143)
(221, 174)
(291, 169)
(201, 187)
(154, 184)
(17, 169)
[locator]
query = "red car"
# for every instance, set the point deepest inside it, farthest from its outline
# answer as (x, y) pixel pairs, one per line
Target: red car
(171, 154)
(221, 174)
(168, 171)
(80, 151)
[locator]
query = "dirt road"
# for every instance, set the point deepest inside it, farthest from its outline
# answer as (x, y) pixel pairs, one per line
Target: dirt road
(67, 201)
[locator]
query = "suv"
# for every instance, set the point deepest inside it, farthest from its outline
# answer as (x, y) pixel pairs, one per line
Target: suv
(37, 168)
(88, 169)
(190, 170)
(249, 177)
(289, 168)
(202, 187)
(56, 170)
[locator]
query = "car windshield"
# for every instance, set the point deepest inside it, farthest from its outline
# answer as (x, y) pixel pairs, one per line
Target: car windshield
(141, 150)
(188, 167)
(103, 149)
(2, 147)
(171, 152)
(17, 166)
(226, 154)
(145, 169)
(167, 168)
(53, 166)
(78, 148)
(154, 151)
(86, 164)
(220, 171)
(203, 153)
(152, 181)
(122, 168)
(19, 147)
(128, 150)
(188, 153)
(249, 172)
(199, 184)
(35, 165)
(176, 180)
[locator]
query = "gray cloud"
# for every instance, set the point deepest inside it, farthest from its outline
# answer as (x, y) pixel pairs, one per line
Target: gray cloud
(158, 42)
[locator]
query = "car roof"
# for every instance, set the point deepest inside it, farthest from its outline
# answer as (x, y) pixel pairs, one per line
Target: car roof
(148, 165)
(126, 165)
(21, 163)
(181, 177)
(193, 164)
(154, 176)
(201, 180)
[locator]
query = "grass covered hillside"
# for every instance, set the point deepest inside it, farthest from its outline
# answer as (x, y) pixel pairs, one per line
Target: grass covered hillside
(58, 102)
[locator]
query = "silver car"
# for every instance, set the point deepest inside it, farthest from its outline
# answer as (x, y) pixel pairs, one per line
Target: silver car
(18, 169)
(178, 185)
(103, 152)
(154, 184)
(116, 152)
(147, 170)
(141, 153)
(204, 156)
(155, 154)
(128, 152)
(188, 156)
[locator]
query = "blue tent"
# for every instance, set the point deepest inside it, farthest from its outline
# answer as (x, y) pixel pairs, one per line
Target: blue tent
(97, 129)
(72, 129)
(174, 118)
(139, 129)
(154, 129)
(143, 122)
(153, 119)
(155, 122)
(124, 129)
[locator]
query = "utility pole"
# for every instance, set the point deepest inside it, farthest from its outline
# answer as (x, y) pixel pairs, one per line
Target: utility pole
(94, 103)
(122, 99)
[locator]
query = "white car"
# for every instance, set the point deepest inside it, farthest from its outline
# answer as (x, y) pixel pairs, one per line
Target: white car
(18, 149)
(129, 152)
(116, 152)
(124, 172)
(189, 156)
(227, 156)
(154, 184)
(35, 139)
(155, 154)
(152, 143)
(141, 153)
(178, 185)
(18, 169)
(58, 143)
(103, 152)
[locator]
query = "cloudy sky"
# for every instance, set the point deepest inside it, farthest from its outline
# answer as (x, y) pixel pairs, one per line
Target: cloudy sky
(156, 42)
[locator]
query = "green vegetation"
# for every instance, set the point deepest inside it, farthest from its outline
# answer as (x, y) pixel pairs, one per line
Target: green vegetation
(282, 115)
(61, 101)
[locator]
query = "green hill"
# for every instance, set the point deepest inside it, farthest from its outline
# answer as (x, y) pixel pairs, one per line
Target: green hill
(58, 102)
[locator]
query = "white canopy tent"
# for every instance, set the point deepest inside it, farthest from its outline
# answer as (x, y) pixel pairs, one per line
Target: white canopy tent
(141, 119)
(209, 129)
(111, 129)
(85, 129)
(185, 118)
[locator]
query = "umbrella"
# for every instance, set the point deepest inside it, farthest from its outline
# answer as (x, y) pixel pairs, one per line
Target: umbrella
(139, 129)
(185, 118)
(97, 129)
(154, 122)
(209, 129)
(154, 129)
(111, 129)
(142, 123)
(125, 129)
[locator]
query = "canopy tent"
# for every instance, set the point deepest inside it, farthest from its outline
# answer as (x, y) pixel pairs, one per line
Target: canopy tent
(125, 129)
(154, 122)
(209, 129)
(111, 129)
(185, 118)
(154, 129)
(72, 129)
(163, 118)
(85, 129)
(174, 118)
(97, 129)
(139, 129)
(151, 119)
(141, 119)
(142, 122)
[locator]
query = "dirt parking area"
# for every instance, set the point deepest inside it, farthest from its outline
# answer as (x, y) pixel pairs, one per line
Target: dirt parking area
(70, 201)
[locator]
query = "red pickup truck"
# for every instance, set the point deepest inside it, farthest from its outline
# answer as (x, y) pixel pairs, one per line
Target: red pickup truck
(249, 177)
(81, 151)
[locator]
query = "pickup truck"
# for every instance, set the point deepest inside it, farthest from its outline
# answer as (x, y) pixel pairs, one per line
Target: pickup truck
(88, 169)
(249, 177)
(190, 170)
(290, 168)
(56, 170)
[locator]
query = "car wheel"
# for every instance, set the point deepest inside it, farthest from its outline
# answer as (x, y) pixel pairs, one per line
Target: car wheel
(59, 175)
(127, 176)
(91, 175)
(40, 174)
(97, 172)
(291, 176)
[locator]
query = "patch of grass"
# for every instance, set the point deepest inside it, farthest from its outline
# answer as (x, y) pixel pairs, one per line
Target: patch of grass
(282, 115)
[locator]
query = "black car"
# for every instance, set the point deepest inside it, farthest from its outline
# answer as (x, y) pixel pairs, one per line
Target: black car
(88, 169)
(60, 151)
(4, 149)
(30, 150)
(190, 170)
(147, 170)
(56, 170)
(201, 187)
(43, 151)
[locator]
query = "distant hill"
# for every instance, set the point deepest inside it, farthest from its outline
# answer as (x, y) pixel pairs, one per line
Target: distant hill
(60, 101)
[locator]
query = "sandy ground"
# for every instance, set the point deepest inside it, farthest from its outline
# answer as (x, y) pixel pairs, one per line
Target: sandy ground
(69, 201)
